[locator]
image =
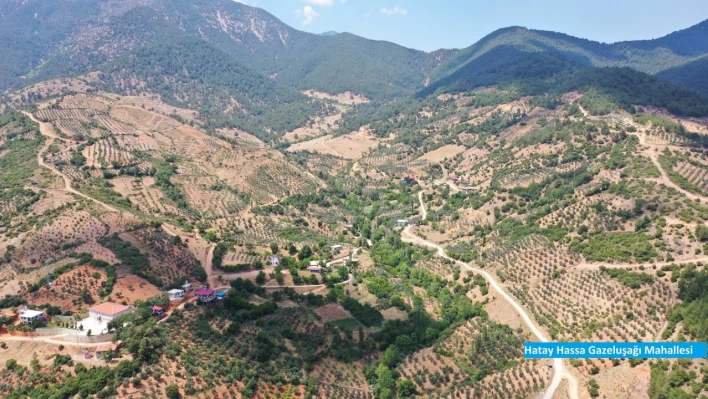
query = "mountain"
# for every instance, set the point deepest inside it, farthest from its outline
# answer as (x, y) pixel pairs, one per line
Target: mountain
(551, 74)
(76, 36)
(649, 56)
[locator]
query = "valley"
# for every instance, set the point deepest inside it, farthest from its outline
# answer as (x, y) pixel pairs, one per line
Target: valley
(200, 201)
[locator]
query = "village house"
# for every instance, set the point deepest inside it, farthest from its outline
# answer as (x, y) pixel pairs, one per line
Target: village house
(336, 249)
(175, 294)
(158, 311)
(187, 286)
(314, 269)
(102, 351)
(108, 311)
(275, 261)
(314, 263)
(402, 222)
(205, 295)
(29, 316)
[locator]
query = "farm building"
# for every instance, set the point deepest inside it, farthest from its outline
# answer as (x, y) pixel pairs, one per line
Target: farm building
(29, 316)
(314, 263)
(336, 249)
(402, 222)
(108, 311)
(158, 311)
(275, 260)
(205, 295)
(103, 350)
(175, 294)
(314, 269)
(187, 286)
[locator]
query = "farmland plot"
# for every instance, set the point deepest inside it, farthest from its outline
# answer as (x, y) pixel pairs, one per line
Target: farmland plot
(589, 305)
(695, 174)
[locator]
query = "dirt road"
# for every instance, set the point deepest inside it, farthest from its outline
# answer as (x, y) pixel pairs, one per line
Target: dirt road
(559, 371)
(652, 153)
(46, 130)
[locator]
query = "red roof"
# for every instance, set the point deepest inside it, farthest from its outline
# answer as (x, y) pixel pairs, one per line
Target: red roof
(204, 292)
(109, 308)
(156, 308)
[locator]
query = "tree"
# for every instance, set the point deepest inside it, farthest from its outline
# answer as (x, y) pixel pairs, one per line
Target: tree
(172, 391)
(274, 248)
(261, 278)
(10, 364)
(405, 388)
(305, 252)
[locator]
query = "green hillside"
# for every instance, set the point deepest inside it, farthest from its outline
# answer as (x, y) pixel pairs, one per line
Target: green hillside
(550, 73)
(650, 56)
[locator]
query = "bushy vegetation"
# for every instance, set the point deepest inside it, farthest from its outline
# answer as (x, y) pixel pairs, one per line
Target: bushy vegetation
(616, 247)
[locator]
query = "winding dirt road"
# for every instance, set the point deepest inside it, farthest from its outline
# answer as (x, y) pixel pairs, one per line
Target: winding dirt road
(559, 371)
(46, 130)
(652, 152)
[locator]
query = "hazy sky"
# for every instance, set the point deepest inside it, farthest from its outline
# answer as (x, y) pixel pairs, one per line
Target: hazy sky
(432, 24)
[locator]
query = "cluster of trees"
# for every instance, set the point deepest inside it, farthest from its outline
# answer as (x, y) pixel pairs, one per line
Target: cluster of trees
(693, 311)
(616, 247)
(630, 279)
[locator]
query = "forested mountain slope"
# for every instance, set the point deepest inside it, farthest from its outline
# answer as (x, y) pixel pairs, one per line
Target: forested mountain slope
(66, 38)
(650, 56)
(530, 72)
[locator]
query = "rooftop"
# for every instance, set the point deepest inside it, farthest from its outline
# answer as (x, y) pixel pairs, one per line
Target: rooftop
(204, 292)
(109, 308)
(30, 313)
(175, 291)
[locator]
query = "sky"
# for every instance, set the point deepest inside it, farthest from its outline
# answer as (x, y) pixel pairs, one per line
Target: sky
(432, 24)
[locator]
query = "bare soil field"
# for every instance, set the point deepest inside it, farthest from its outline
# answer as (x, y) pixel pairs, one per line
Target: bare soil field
(331, 311)
(443, 152)
(347, 98)
(350, 146)
(132, 288)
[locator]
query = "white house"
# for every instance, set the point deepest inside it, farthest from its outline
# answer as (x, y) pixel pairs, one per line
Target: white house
(336, 249)
(175, 294)
(275, 260)
(314, 263)
(402, 222)
(108, 311)
(187, 286)
(28, 316)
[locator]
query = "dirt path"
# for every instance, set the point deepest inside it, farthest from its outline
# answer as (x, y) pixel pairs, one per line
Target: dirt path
(649, 265)
(52, 340)
(652, 152)
(559, 372)
(45, 130)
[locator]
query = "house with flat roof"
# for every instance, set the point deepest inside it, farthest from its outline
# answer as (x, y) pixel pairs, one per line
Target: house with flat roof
(275, 260)
(402, 222)
(108, 311)
(29, 316)
(336, 249)
(205, 295)
(313, 269)
(175, 294)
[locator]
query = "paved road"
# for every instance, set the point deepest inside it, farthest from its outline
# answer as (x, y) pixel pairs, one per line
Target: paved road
(559, 371)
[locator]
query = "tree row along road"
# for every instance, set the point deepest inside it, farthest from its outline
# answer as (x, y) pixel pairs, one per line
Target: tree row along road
(559, 371)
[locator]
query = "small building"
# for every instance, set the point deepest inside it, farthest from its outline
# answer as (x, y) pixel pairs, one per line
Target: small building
(275, 261)
(220, 295)
(187, 286)
(402, 222)
(348, 225)
(29, 316)
(108, 348)
(175, 294)
(158, 311)
(108, 311)
(336, 249)
(205, 295)
(314, 269)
